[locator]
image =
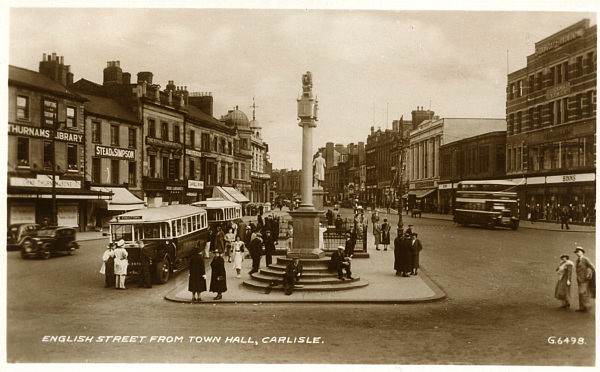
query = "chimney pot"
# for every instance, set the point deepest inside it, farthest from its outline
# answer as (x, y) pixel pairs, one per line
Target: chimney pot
(53, 56)
(44, 57)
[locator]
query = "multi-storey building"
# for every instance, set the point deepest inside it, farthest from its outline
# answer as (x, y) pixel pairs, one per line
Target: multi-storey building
(551, 118)
(242, 155)
(423, 156)
(479, 157)
(288, 183)
(46, 140)
(379, 161)
(259, 177)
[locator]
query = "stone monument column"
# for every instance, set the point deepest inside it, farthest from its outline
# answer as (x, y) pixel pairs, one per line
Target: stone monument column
(306, 217)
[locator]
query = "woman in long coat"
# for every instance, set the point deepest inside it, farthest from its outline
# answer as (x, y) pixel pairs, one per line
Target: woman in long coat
(238, 255)
(562, 291)
(197, 282)
(108, 266)
(403, 264)
(218, 279)
(385, 234)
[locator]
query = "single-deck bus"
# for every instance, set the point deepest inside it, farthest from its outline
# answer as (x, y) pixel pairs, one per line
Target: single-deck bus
(170, 233)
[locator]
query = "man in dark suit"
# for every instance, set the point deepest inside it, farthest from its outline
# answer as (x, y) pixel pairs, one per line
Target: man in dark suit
(350, 244)
(293, 271)
(339, 262)
(415, 247)
(269, 244)
(255, 248)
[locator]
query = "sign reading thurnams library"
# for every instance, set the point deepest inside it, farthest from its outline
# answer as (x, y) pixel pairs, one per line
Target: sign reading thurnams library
(25, 130)
(114, 152)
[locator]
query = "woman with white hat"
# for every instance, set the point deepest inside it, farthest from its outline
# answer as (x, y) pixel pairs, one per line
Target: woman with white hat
(121, 264)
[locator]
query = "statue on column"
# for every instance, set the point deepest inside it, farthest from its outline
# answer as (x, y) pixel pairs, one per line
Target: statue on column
(307, 84)
(318, 171)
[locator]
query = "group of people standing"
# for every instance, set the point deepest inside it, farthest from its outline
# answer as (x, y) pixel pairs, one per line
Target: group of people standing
(585, 273)
(407, 248)
(114, 265)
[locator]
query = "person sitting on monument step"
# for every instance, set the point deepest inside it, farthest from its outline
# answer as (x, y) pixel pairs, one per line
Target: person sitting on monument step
(340, 262)
(293, 271)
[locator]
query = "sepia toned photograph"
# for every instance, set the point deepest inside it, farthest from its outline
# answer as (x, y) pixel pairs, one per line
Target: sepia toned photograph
(226, 185)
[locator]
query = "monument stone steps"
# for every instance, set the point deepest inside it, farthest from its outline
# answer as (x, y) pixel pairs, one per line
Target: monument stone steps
(343, 285)
(272, 270)
(264, 277)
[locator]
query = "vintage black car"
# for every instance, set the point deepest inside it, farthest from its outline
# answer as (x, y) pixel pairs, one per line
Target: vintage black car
(50, 241)
(20, 234)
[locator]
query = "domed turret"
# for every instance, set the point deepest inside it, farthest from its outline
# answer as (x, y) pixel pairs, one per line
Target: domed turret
(236, 118)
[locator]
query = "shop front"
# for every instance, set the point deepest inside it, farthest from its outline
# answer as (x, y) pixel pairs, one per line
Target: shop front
(446, 191)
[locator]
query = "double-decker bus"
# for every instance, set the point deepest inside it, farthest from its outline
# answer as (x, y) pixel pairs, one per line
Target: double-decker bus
(170, 233)
(487, 203)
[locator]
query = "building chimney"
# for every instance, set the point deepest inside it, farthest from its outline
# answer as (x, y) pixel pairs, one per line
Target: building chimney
(113, 75)
(126, 78)
(201, 100)
(145, 76)
(54, 68)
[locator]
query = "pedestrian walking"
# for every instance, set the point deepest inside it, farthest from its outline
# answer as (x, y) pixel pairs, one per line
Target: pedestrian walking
(290, 235)
(238, 255)
(247, 236)
(229, 239)
(329, 216)
(255, 248)
(586, 273)
(375, 217)
(269, 244)
(564, 217)
(219, 240)
(197, 280)
(404, 263)
(562, 291)
(218, 279)
(385, 234)
(293, 271)
(121, 264)
(377, 234)
(146, 253)
(397, 251)
(339, 224)
(415, 248)
(108, 266)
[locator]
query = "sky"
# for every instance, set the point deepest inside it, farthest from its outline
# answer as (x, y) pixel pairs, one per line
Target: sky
(369, 67)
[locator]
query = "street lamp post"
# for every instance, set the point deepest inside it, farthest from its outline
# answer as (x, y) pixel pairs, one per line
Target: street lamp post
(54, 209)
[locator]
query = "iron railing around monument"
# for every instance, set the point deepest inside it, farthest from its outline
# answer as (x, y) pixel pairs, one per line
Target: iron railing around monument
(335, 235)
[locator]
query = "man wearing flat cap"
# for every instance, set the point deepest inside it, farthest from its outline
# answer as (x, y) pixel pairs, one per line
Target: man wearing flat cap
(586, 278)
(340, 262)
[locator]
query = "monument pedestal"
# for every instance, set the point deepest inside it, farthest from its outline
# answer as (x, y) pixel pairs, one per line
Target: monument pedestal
(306, 233)
(318, 198)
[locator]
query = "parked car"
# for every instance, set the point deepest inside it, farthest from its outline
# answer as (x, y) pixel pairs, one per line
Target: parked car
(50, 241)
(20, 234)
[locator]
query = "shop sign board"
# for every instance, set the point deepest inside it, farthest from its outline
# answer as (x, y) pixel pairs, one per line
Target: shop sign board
(22, 214)
(193, 184)
(68, 215)
(115, 152)
(44, 180)
(567, 178)
(25, 130)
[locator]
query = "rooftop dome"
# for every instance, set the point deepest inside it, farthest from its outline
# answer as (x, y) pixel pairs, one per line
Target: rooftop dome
(236, 118)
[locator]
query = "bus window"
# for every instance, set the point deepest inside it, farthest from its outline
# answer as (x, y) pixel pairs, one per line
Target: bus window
(165, 229)
(204, 221)
(177, 229)
(152, 231)
(121, 232)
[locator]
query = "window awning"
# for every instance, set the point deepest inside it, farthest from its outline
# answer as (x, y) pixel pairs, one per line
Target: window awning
(122, 199)
(421, 193)
(229, 193)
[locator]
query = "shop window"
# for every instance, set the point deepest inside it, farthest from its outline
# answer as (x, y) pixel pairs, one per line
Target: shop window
(71, 117)
(96, 170)
(22, 152)
(72, 165)
(114, 171)
(151, 128)
(571, 151)
(114, 135)
(22, 108)
(96, 132)
(176, 134)
(132, 137)
(48, 160)
(49, 112)
(164, 131)
(132, 172)
(534, 158)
